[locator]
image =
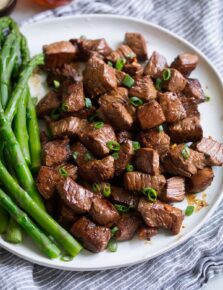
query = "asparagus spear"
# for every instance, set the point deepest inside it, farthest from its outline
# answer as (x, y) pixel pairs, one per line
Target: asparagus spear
(44, 243)
(13, 233)
(20, 127)
(4, 220)
(38, 214)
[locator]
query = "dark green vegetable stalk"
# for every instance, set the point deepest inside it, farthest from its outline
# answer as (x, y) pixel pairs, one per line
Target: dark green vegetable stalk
(38, 214)
(20, 127)
(44, 243)
(34, 135)
(13, 233)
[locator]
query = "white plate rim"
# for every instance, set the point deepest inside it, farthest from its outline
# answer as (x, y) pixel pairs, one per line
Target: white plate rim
(183, 238)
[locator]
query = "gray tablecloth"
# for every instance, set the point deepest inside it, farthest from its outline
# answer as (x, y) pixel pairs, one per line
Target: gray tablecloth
(192, 264)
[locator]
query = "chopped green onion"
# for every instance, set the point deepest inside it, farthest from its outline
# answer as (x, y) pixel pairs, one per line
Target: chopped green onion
(120, 63)
(88, 103)
(112, 245)
(113, 145)
(185, 152)
(63, 172)
(66, 258)
(129, 168)
(151, 193)
(96, 187)
(93, 117)
(158, 84)
(160, 128)
(55, 114)
(110, 63)
(121, 208)
(99, 125)
(136, 102)
(115, 155)
(207, 98)
(114, 230)
(34, 100)
(88, 156)
(65, 107)
(106, 190)
(128, 81)
(189, 210)
(166, 74)
(136, 145)
(56, 84)
(131, 55)
(75, 155)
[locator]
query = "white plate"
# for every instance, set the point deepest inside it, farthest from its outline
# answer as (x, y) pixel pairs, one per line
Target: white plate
(113, 29)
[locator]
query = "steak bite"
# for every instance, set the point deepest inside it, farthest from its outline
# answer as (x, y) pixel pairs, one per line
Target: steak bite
(66, 216)
(80, 153)
(172, 107)
(185, 63)
(159, 141)
(182, 160)
(127, 225)
(176, 83)
(143, 89)
(137, 43)
(56, 152)
(137, 181)
(74, 195)
(123, 196)
(150, 115)
(124, 52)
(194, 91)
(58, 53)
(96, 139)
(73, 97)
(98, 170)
(186, 130)
(99, 78)
(70, 126)
(133, 69)
(147, 160)
(155, 66)
(161, 215)
(146, 233)
(213, 151)
(123, 136)
(175, 189)
(103, 212)
(125, 155)
(200, 181)
(94, 238)
(115, 108)
(189, 105)
(47, 104)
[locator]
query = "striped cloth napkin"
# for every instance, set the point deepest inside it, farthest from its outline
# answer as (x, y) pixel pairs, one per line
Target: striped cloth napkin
(191, 264)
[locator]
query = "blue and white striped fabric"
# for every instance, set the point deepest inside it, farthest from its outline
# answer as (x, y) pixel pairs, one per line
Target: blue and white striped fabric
(190, 265)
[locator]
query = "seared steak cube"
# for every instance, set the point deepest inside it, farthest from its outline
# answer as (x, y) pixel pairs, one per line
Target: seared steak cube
(67, 72)
(50, 102)
(159, 141)
(175, 189)
(74, 195)
(103, 212)
(80, 153)
(99, 78)
(183, 161)
(172, 107)
(137, 181)
(161, 215)
(156, 65)
(58, 53)
(123, 196)
(94, 238)
(96, 139)
(123, 136)
(186, 130)
(133, 69)
(73, 97)
(67, 216)
(146, 233)
(125, 155)
(124, 52)
(127, 225)
(194, 91)
(150, 115)
(70, 126)
(143, 89)
(185, 63)
(147, 160)
(56, 152)
(200, 181)
(98, 170)
(137, 43)
(176, 83)
(190, 105)
(116, 109)
(213, 151)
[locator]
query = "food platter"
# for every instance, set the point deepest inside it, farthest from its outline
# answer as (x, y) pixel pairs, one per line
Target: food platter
(113, 29)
